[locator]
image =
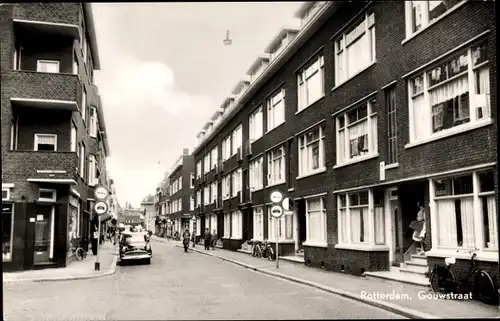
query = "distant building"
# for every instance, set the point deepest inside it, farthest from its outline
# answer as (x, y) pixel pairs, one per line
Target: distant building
(148, 210)
(131, 216)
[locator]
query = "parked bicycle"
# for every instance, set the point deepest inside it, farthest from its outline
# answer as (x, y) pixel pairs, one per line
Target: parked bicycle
(478, 281)
(263, 250)
(80, 252)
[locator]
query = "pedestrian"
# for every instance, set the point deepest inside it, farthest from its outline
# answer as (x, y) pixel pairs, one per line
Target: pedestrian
(185, 239)
(95, 240)
(214, 239)
(193, 238)
(206, 238)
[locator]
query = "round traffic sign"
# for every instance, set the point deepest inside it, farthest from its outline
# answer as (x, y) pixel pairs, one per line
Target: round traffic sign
(276, 197)
(101, 193)
(101, 208)
(286, 204)
(276, 211)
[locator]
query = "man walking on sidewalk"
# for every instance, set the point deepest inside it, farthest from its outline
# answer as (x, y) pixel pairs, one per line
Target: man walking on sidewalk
(185, 239)
(206, 238)
(213, 239)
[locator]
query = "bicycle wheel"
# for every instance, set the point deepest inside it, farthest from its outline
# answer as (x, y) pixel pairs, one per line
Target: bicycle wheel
(443, 280)
(271, 254)
(485, 287)
(79, 254)
(265, 253)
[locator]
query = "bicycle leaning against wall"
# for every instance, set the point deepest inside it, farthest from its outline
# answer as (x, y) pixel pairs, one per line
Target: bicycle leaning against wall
(478, 282)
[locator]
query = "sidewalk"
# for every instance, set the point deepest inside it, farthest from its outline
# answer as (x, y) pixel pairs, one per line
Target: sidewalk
(77, 270)
(411, 301)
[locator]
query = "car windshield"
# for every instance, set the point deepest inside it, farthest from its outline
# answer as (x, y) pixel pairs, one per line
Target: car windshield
(135, 238)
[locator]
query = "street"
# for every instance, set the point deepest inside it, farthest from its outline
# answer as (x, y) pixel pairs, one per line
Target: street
(179, 285)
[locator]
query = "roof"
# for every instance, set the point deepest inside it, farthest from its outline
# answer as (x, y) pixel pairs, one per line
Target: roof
(215, 115)
(227, 101)
(207, 125)
(89, 23)
(239, 86)
(256, 64)
(301, 12)
(277, 39)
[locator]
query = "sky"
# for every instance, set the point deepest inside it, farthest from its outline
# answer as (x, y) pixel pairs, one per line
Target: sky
(164, 72)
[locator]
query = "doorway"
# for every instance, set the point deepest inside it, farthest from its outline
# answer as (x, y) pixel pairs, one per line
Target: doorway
(396, 254)
(43, 246)
(301, 223)
(409, 196)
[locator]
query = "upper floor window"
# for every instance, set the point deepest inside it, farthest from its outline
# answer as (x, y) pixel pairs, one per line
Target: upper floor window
(419, 14)
(92, 170)
(198, 198)
(256, 125)
(198, 169)
(215, 154)
(206, 195)
(256, 174)
(453, 94)
(357, 132)
(310, 80)
(226, 148)
(206, 163)
(276, 110)
(46, 142)
(237, 138)
(191, 203)
(93, 121)
(82, 160)
(214, 192)
(355, 49)
(312, 151)
(47, 66)
(236, 182)
(84, 104)
(73, 137)
(392, 125)
(226, 186)
(276, 166)
(191, 180)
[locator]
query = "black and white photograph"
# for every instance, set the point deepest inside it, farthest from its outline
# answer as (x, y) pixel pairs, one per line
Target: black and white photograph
(314, 160)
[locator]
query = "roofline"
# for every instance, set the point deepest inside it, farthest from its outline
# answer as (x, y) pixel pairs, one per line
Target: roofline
(283, 31)
(239, 86)
(300, 13)
(304, 35)
(256, 63)
(90, 26)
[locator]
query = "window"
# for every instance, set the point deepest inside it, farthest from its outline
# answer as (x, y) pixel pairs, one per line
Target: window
(198, 226)
(75, 64)
(274, 226)
(47, 195)
(93, 121)
(51, 66)
(213, 223)
(214, 192)
(226, 148)
(206, 195)
(312, 151)
(453, 93)
(257, 174)
(227, 225)
(276, 110)
(73, 137)
(463, 205)
(84, 105)
(355, 49)
(5, 194)
(179, 200)
(420, 14)
(92, 171)
(258, 223)
(226, 186)
(191, 203)
(316, 221)
(82, 160)
(206, 163)
(236, 182)
(12, 134)
(256, 125)
(7, 231)
(236, 225)
(311, 86)
(215, 156)
(237, 139)
(46, 142)
(276, 166)
(191, 180)
(198, 169)
(357, 132)
(392, 125)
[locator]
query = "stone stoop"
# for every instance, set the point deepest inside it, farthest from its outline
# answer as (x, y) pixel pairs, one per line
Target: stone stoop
(293, 259)
(411, 272)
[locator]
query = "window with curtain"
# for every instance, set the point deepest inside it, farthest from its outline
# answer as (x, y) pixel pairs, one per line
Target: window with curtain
(257, 174)
(214, 192)
(207, 222)
(198, 226)
(93, 121)
(276, 166)
(392, 125)
(51, 66)
(312, 151)
(237, 139)
(488, 210)
(82, 160)
(379, 220)
(316, 220)
(236, 225)
(421, 13)
(310, 80)
(258, 223)
(198, 169)
(206, 163)
(198, 198)
(444, 97)
(226, 148)
(215, 154)
(46, 142)
(343, 230)
(275, 227)
(256, 125)
(236, 182)
(358, 212)
(276, 110)
(191, 203)
(206, 195)
(226, 187)
(73, 137)
(227, 225)
(213, 223)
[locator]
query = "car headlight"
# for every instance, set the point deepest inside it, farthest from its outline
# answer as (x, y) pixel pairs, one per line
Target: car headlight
(148, 247)
(124, 249)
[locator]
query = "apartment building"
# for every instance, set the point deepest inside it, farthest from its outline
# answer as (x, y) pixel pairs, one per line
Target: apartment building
(54, 142)
(148, 208)
(161, 205)
(181, 200)
(367, 112)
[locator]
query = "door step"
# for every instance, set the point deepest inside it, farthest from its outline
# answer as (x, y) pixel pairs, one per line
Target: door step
(293, 259)
(398, 276)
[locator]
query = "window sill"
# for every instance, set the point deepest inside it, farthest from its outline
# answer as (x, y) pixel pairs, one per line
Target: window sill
(282, 241)
(413, 35)
(315, 172)
(451, 132)
(391, 166)
(315, 244)
(481, 255)
(357, 160)
(270, 130)
(362, 247)
(275, 184)
(236, 238)
(309, 105)
(353, 76)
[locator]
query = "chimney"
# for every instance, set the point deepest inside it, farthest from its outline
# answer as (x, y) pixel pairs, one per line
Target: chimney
(185, 151)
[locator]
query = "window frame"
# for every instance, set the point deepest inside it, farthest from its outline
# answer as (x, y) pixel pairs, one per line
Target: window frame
(93, 121)
(206, 162)
(271, 122)
(303, 147)
(256, 227)
(47, 61)
(6, 189)
(82, 160)
(323, 215)
(390, 97)
(198, 169)
(214, 153)
(255, 186)
(236, 182)
(37, 135)
(206, 195)
(303, 78)
(11, 247)
(92, 172)
(226, 148)
(256, 132)
(214, 192)
(226, 187)
(238, 227)
(227, 225)
(43, 199)
(73, 137)
(270, 161)
(236, 139)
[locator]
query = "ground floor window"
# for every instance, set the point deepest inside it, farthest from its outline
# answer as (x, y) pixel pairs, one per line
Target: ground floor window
(227, 225)
(316, 221)
(213, 223)
(207, 223)
(72, 228)
(198, 226)
(258, 223)
(7, 235)
(462, 206)
(282, 227)
(236, 225)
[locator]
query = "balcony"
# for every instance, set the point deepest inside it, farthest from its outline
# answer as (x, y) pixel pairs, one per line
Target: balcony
(55, 18)
(38, 166)
(42, 90)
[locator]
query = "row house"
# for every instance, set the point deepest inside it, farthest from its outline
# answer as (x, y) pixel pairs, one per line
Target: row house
(180, 206)
(54, 141)
(370, 113)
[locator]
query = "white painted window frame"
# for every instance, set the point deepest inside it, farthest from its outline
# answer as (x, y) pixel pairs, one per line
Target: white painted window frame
(214, 192)
(236, 182)
(82, 160)
(45, 135)
(236, 139)
(226, 148)
(256, 132)
(256, 173)
(323, 227)
(215, 155)
(198, 169)
(206, 195)
(54, 195)
(206, 163)
(6, 189)
(236, 225)
(73, 134)
(198, 198)
(303, 78)
(272, 123)
(226, 187)
(39, 64)
(227, 225)
(273, 178)
(303, 148)
(258, 228)
(93, 122)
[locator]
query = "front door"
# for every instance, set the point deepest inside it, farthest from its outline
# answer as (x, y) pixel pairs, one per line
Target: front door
(396, 256)
(43, 247)
(301, 216)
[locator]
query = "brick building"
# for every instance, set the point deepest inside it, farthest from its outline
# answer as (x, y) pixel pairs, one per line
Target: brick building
(181, 197)
(54, 142)
(367, 111)
(132, 217)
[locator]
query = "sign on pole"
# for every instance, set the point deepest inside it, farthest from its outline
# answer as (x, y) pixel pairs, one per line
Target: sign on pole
(100, 208)
(276, 211)
(286, 204)
(276, 197)
(101, 193)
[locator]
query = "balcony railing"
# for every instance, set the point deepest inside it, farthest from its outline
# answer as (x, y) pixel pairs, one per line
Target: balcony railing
(40, 165)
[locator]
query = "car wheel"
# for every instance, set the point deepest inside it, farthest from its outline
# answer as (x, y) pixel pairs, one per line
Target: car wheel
(148, 261)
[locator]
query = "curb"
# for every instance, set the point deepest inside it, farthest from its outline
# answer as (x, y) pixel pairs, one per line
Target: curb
(111, 271)
(406, 312)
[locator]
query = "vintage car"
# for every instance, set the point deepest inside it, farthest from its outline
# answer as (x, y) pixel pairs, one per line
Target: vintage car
(135, 246)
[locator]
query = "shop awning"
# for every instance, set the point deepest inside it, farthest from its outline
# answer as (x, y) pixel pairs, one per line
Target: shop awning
(105, 217)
